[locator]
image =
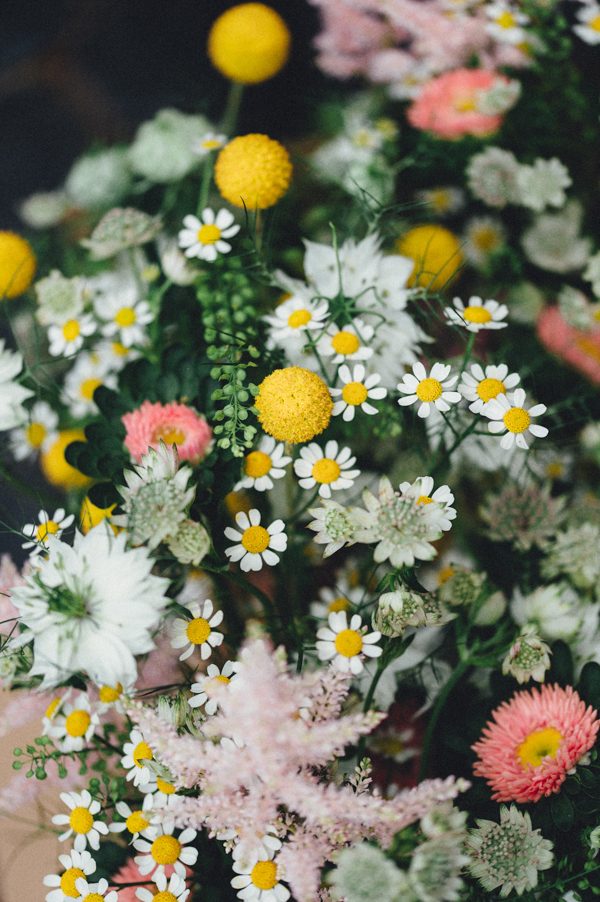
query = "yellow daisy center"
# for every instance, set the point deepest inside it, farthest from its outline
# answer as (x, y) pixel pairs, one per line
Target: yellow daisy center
(109, 694)
(67, 882)
(198, 630)
(165, 850)
(51, 709)
(424, 499)
(119, 349)
(170, 436)
(485, 238)
(476, 314)
(71, 330)
(506, 20)
(354, 393)
(465, 105)
(208, 234)
(440, 200)
(589, 347)
(594, 23)
(326, 470)
(555, 470)
(429, 390)
(81, 820)
(165, 787)
(293, 404)
(142, 752)
(49, 528)
(36, 433)
(490, 388)
(210, 144)
(77, 723)
(255, 539)
(94, 897)
(345, 343)
(264, 874)
(164, 896)
(299, 318)
(540, 744)
(348, 643)
(338, 604)
(136, 822)
(125, 317)
(257, 464)
(88, 387)
(445, 574)
(516, 419)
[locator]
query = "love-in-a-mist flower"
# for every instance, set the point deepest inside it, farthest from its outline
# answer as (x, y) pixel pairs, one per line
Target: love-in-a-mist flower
(47, 525)
(510, 417)
(204, 237)
(208, 143)
(74, 865)
(347, 644)
(136, 753)
(166, 850)
(436, 505)
(95, 892)
(73, 725)
(263, 465)
(429, 390)
(357, 392)
(505, 23)
(80, 821)
(125, 316)
(198, 632)
(477, 314)
(38, 434)
(171, 890)
(330, 468)
(481, 385)
(68, 338)
(348, 342)
(588, 27)
(204, 688)
(255, 544)
(296, 316)
(138, 822)
(259, 882)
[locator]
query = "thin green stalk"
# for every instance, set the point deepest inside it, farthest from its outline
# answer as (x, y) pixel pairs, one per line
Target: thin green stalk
(455, 677)
(232, 108)
(207, 172)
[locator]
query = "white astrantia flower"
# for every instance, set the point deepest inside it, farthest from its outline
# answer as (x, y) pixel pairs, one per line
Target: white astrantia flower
(428, 390)
(294, 317)
(543, 184)
(204, 237)
(208, 143)
(12, 395)
(347, 644)
(197, 632)
(73, 725)
(136, 754)
(588, 23)
(334, 525)
(477, 314)
(363, 871)
(347, 342)
(554, 242)
(555, 610)
(166, 850)
(437, 504)
(91, 892)
(328, 468)
(259, 882)
(88, 373)
(74, 865)
(341, 597)
(38, 434)
(80, 821)
(137, 822)
(255, 544)
(203, 688)
(125, 317)
(71, 606)
(442, 201)
(513, 420)
(479, 386)
(60, 299)
(357, 392)
(99, 179)
(47, 525)
(528, 658)
(505, 23)
(173, 890)
(44, 209)
(483, 236)
(68, 337)
(263, 465)
(492, 176)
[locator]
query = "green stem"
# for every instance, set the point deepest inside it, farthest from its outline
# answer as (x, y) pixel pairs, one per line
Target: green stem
(381, 666)
(232, 108)
(206, 182)
(468, 351)
(267, 604)
(455, 677)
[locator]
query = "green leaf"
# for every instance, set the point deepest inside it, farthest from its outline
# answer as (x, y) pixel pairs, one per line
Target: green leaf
(561, 667)
(589, 684)
(563, 812)
(103, 494)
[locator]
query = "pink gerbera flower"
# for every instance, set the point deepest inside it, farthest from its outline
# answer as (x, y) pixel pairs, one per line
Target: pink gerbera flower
(450, 105)
(533, 741)
(174, 424)
(578, 348)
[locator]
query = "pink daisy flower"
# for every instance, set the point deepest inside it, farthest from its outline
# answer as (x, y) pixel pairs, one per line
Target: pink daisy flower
(450, 105)
(173, 424)
(533, 741)
(578, 348)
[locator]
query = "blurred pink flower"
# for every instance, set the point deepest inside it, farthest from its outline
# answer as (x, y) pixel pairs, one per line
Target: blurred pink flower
(578, 348)
(9, 579)
(173, 424)
(448, 106)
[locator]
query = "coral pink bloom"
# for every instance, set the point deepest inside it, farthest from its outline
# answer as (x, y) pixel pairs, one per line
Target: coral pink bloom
(533, 741)
(449, 105)
(580, 349)
(173, 424)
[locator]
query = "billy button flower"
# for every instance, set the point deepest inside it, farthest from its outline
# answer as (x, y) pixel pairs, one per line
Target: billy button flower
(293, 404)
(253, 172)
(17, 265)
(249, 43)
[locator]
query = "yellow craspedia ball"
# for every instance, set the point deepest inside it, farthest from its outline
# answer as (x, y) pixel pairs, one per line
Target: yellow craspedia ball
(90, 515)
(436, 252)
(55, 467)
(249, 43)
(17, 265)
(293, 404)
(253, 171)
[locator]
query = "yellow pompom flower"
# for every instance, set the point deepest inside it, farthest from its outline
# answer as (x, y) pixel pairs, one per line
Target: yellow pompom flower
(293, 404)
(436, 253)
(54, 464)
(249, 43)
(90, 515)
(17, 265)
(253, 171)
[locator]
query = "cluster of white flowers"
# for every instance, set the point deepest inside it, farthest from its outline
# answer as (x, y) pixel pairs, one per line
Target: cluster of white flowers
(496, 177)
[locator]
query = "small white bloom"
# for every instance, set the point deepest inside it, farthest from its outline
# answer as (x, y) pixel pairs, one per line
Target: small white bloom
(92, 891)
(73, 725)
(12, 395)
(543, 184)
(347, 644)
(38, 434)
(484, 235)
(554, 243)
(592, 273)
(589, 28)
(334, 527)
(46, 526)
(197, 632)
(160, 795)
(67, 339)
(348, 342)
(125, 316)
(442, 201)
(81, 821)
(358, 390)
(175, 264)
(296, 316)
(88, 373)
(74, 864)
(478, 314)
(528, 658)
(510, 417)
(256, 544)
(136, 753)
(330, 468)
(555, 610)
(437, 504)
(203, 688)
(429, 391)
(263, 465)
(483, 385)
(138, 822)
(174, 890)
(204, 238)
(208, 143)
(341, 597)
(505, 23)
(44, 209)
(259, 882)
(166, 849)
(492, 176)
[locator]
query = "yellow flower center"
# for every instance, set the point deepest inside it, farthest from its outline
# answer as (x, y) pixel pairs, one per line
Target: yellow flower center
(345, 343)
(299, 318)
(465, 105)
(136, 822)
(326, 470)
(67, 882)
(338, 604)
(293, 404)
(81, 820)
(516, 419)
(36, 433)
(109, 694)
(119, 350)
(71, 330)
(164, 786)
(445, 574)
(94, 897)
(555, 470)
(255, 539)
(165, 850)
(348, 643)
(429, 390)
(198, 630)
(210, 144)
(51, 709)
(540, 744)
(50, 527)
(164, 896)
(506, 20)
(170, 436)
(477, 314)
(77, 723)
(257, 464)
(211, 684)
(589, 347)
(88, 387)
(490, 388)
(594, 23)
(424, 499)
(440, 200)
(264, 874)
(486, 238)
(354, 393)
(142, 752)
(125, 317)
(208, 233)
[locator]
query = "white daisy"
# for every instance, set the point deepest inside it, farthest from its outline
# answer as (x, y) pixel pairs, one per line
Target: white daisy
(87, 374)
(136, 821)
(294, 317)
(505, 23)
(348, 342)
(589, 29)
(429, 391)
(73, 725)
(46, 526)
(208, 143)
(137, 753)
(357, 392)
(263, 465)
(81, 821)
(52, 710)
(162, 793)
(250, 849)
(74, 865)
(38, 434)
(442, 201)
(204, 687)
(203, 238)
(478, 314)
(341, 597)
(330, 469)
(67, 339)
(483, 236)
(437, 505)
(92, 892)
(113, 355)
(198, 631)
(483, 385)
(510, 417)
(125, 317)
(256, 544)
(259, 882)
(173, 890)
(347, 644)
(111, 696)
(166, 849)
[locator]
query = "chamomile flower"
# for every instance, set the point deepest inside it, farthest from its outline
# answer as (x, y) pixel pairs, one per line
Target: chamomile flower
(483, 385)
(505, 23)
(75, 865)
(477, 314)
(173, 890)
(341, 597)
(588, 28)
(137, 752)
(483, 236)
(263, 465)
(429, 390)
(510, 417)
(162, 793)
(114, 355)
(329, 469)
(442, 201)
(258, 847)
(73, 725)
(197, 632)
(111, 696)
(52, 710)
(80, 821)
(92, 892)
(437, 504)
(255, 544)
(349, 342)
(204, 687)
(46, 526)
(204, 238)
(68, 338)
(126, 317)
(347, 644)
(296, 316)
(87, 374)
(38, 434)
(259, 882)
(359, 389)
(166, 849)
(136, 821)
(208, 143)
